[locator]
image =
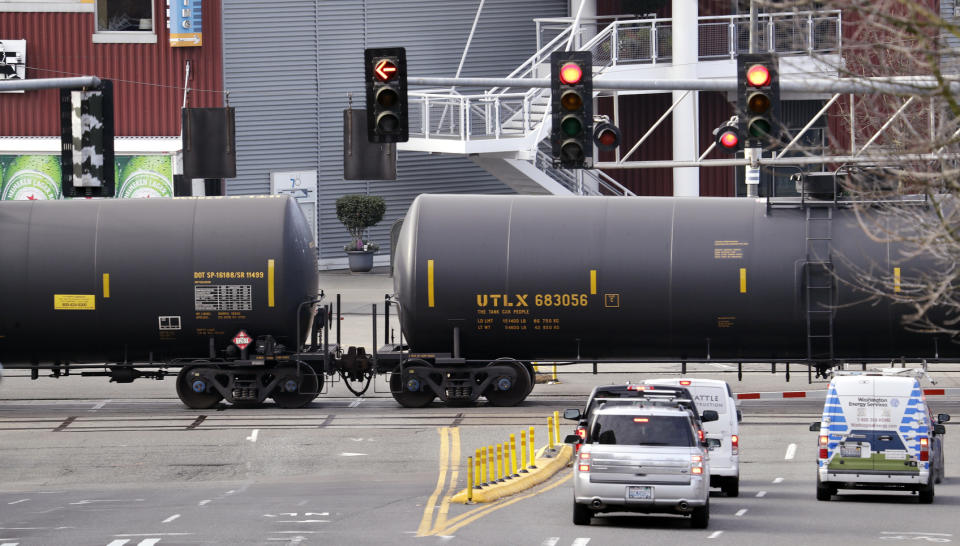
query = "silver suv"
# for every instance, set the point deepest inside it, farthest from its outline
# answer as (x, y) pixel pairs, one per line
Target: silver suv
(644, 457)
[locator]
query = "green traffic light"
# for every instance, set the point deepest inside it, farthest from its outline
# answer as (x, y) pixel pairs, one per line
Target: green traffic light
(759, 128)
(571, 126)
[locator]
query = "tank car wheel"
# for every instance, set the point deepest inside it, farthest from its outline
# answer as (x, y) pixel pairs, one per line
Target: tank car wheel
(296, 390)
(507, 392)
(194, 391)
(412, 393)
(533, 376)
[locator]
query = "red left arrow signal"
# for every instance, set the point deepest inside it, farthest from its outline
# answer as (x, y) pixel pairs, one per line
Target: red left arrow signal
(385, 70)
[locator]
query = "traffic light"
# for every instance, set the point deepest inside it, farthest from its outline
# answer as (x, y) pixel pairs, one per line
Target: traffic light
(386, 81)
(571, 98)
(727, 137)
(758, 99)
(606, 136)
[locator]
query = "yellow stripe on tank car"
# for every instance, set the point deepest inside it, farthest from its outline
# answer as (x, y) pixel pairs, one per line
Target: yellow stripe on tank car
(106, 285)
(593, 282)
(431, 300)
(743, 280)
(271, 267)
(896, 279)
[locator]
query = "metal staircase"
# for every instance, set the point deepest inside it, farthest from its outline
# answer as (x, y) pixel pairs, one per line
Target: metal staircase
(501, 129)
(819, 280)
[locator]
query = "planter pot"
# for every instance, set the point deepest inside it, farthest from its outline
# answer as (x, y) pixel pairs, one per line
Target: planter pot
(360, 261)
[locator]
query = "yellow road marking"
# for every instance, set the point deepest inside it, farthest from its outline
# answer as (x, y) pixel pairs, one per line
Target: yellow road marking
(106, 285)
(743, 280)
(271, 266)
(427, 518)
(896, 279)
(454, 474)
(430, 297)
(469, 517)
(593, 282)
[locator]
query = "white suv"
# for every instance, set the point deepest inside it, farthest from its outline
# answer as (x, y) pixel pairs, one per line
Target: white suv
(645, 457)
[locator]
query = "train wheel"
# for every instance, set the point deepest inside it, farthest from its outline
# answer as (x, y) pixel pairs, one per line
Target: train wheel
(296, 390)
(194, 391)
(506, 391)
(533, 376)
(412, 393)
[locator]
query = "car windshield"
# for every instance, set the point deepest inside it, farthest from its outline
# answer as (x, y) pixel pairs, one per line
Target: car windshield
(643, 431)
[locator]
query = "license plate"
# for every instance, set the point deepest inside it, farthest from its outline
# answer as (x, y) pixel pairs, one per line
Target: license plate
(896, 454)
(642, 492)
(850, 451)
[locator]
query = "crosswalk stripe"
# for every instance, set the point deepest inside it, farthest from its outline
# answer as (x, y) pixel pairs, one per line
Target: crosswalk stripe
(581, 542)
(551, 541)
(119, 542)
(149, 541)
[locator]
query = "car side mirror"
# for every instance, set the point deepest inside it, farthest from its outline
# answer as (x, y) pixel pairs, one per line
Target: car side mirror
(571, 439)
(815, 427)
(739, 416)
(939, 429)
(709, 415)
(943, 417)
(571, 414)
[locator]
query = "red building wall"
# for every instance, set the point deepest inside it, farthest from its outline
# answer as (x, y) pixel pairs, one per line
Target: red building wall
(148, 78)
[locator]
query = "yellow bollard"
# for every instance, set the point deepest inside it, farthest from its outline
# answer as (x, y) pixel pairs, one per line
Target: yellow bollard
(555, 380)
(483, 465)
(532, 458)
(523, 451)
(469, 480)
(556, 427)
(506, 461)
(513, 456)
(492, 463)
(550, 432)
(499, 462)
(477, 470)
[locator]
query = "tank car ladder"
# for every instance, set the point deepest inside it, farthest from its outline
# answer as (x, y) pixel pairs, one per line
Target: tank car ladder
(819, 280)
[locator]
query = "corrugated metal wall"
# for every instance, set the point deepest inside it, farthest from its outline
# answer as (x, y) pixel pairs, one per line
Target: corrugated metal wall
(290, 80)
(148, 78)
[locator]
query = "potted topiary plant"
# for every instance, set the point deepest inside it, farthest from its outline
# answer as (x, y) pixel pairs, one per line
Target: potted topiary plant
(357, 212)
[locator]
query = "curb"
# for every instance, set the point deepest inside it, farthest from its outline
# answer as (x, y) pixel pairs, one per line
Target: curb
(546, 467)
(822, 394)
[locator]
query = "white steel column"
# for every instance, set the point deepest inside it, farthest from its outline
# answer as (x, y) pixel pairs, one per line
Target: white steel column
(588, 18)
(686, 181)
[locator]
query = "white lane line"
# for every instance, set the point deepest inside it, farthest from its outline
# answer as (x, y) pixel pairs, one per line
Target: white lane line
(356, 402)
(171, 518)
(253, 435)
(715, 534)
(551, 541)
(303, 521)
(119, 542)
(203, 502)
(582, 541)
(148, 542)
(721, 366)
(100, 405)
(741, 512)
(761, 494)
(19, 501)
(791, 451)
(9, 543)
(230, 492)
(778, 480)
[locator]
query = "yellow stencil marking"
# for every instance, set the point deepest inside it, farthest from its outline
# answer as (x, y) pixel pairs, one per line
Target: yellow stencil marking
(743, 280)
(896, 279)
(430, 297)
(271, 267)
(593, 282)
(106, 285)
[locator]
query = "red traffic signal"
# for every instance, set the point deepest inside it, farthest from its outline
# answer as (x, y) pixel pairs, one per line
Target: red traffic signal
(570, 73)
(758, 75)
(606, 136)
(385, 70)
(728, 138)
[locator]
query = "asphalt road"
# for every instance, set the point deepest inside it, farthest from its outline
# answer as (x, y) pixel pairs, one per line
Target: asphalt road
(91, 463)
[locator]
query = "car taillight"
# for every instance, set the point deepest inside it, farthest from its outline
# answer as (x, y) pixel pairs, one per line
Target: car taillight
(924, 443)
(700, 435)
(734, 444)
(824, 440)
(696, 458)
(924, 449)
(685, 382)
(696, 470)
(823, 453)
(584, 465)
(584, 468)
(582, 433)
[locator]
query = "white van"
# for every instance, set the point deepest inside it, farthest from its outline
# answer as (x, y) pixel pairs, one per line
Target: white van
(876, 433)
(723, 435)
